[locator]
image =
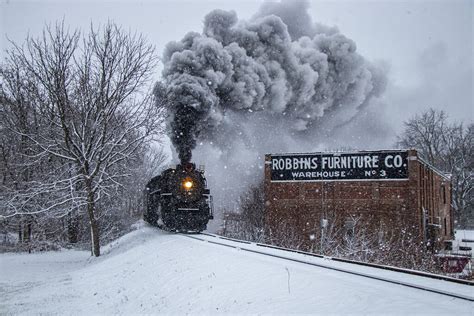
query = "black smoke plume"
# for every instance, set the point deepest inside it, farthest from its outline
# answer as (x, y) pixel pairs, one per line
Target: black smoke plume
(279, 65)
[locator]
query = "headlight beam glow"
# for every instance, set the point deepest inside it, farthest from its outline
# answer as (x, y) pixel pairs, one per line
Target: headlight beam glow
(187, 184)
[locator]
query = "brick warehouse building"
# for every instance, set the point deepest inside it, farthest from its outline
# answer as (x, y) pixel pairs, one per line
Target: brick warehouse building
(392, 195)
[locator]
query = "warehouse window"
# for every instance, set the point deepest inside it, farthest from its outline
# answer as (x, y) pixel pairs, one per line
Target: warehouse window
(443, 193)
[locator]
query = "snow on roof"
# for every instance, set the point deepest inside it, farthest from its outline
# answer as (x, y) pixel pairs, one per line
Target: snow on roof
(442, 174)
(339, 152)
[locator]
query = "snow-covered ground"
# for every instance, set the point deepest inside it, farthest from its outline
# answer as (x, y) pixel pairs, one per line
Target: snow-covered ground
(149, 271)
(468, 236)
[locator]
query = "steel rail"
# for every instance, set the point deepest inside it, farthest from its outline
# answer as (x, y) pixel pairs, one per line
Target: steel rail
(367, 264)
(365, 275)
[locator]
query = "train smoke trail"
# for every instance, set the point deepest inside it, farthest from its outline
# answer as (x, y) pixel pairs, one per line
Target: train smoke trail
(279, 66)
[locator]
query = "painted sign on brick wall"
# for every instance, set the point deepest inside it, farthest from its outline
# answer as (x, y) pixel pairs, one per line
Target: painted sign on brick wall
(339, 166)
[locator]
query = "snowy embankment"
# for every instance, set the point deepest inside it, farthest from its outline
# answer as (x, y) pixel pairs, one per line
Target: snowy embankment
(464, 238)
(149, 271)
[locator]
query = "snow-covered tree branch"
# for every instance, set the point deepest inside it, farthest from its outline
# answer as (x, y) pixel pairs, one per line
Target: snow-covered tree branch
(450, 148)
(81, 107)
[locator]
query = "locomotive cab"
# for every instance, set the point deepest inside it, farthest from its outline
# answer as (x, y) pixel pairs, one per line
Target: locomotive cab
(179, 199)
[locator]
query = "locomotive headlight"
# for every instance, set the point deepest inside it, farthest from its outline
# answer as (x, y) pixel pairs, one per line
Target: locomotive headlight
(188, 184)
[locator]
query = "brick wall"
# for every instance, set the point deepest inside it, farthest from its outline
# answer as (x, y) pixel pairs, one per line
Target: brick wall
(386, 208)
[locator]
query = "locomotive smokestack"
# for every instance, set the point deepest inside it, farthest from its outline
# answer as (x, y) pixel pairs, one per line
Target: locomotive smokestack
(279, 64)
(184, 132)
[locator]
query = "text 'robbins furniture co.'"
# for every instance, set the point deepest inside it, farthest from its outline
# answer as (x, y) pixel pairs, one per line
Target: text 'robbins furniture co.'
(392, 192)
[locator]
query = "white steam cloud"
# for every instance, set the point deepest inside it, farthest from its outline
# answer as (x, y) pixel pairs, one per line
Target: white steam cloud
(274, 83)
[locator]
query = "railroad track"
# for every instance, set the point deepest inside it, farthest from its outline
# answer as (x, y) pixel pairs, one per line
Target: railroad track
(241, 245)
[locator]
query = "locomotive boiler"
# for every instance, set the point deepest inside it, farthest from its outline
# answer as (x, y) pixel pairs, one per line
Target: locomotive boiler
(178, 199)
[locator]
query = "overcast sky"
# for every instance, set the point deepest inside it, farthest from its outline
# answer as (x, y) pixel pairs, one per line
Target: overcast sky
(427, 44)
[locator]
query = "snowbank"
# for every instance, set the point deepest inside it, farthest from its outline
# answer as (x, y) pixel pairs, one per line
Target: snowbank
(153, 272)
(468, 237)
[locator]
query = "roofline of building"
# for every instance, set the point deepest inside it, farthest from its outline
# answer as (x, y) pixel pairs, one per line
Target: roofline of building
(445, 175)
(340, 152)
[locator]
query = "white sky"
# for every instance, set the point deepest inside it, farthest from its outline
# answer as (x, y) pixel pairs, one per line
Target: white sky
(428, 44)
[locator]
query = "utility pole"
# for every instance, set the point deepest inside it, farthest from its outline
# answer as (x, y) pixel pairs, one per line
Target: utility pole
(324, 224)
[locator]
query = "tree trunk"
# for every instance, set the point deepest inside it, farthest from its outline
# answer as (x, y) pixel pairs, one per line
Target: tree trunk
(28, 231)
(20, 230)
(95, 244)
(72, 228)
(95, 250)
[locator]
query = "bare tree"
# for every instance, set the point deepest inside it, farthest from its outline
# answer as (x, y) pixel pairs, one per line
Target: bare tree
(449, 147)
(90, 96)
(252, 206)
(425, 133)
(248, 223)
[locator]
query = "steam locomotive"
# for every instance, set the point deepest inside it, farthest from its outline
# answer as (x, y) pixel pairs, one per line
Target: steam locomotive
(179, 200)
